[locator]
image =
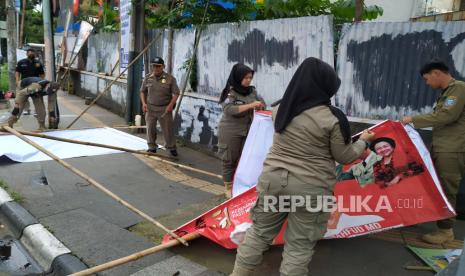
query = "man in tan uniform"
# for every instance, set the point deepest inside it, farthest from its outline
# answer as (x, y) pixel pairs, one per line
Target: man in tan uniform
(158, 94)
(448, 148)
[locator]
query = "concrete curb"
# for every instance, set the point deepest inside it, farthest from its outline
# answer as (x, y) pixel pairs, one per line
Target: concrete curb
(54, 257)
(17, 217)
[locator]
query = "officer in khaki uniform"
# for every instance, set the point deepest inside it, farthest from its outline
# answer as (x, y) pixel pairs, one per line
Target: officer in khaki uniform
(239, 100)
(158, 95)
(448, 147)
(35, 88)
(310, 135)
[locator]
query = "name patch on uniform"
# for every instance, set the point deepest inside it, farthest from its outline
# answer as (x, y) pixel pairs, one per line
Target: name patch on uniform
(239, 102)
(450, 101)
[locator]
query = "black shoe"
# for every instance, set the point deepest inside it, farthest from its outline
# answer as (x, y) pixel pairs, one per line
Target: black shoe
(152, 150)
(174, 152)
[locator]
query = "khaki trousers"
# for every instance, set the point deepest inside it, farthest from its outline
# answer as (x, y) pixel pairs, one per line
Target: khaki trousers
(450, 167)
(157, 114)
(303, 230)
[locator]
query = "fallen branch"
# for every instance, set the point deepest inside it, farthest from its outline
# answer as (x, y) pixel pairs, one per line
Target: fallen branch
(94, 183)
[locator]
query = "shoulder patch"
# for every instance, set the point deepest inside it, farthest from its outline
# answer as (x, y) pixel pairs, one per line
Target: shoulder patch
(450, 101)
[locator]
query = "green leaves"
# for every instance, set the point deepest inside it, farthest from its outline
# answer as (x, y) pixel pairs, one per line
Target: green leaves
(190, 12)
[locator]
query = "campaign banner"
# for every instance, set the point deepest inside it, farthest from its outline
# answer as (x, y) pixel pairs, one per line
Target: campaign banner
(85, 30)
(393, 184)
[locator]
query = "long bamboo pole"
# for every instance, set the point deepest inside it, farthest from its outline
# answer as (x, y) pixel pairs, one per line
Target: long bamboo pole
(40, 135)
(135, 256)
(94, 183)
(151, 155)
(107, 88)
(186, 167)
(189, 69)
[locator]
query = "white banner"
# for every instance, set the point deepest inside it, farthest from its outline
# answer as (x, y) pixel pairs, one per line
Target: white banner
(125, 9)
(20, 151)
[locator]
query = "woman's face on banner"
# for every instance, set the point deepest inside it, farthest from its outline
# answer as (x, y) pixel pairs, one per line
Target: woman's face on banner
(384, 149)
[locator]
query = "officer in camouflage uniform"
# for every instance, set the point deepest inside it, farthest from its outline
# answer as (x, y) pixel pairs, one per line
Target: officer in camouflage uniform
(239, 100)
(448, 147)
(159, 93)
(28, 67)
(35, 88)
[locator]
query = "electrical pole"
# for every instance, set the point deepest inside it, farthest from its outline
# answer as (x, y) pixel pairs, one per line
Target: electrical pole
(12, 43)
(135, 71)
(21, 28)
(358, 10)
(48, 39)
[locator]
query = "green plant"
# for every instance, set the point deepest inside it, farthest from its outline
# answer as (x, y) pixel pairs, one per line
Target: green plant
(4, 82)
(14, 195)
(193, 82)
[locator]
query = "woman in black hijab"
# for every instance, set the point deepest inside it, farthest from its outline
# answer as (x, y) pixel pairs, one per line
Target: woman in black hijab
(239, 100)
(310, 135)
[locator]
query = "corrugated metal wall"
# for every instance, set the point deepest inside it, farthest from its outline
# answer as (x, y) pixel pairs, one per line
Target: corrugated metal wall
(183, 46)
(102, 54)
(379, 66)
(273, 48)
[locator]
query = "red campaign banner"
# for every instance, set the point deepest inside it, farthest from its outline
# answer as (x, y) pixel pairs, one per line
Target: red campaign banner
(392, 185)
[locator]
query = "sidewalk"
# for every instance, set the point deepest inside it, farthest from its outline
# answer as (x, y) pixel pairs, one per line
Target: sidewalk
(98, 229)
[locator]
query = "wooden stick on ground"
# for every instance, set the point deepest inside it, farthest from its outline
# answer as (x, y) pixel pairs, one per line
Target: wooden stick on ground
(186, 167)
(129, 127)
(94, 183)
(92, 144)
(418, 268)
(154, 156)
(135, 256)
(107, 88)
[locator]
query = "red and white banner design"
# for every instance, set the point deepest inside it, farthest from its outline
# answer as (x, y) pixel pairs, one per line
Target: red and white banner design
(393, 185)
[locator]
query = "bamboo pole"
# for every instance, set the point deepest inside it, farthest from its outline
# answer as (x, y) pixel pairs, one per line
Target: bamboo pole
(135, 256)
(186, 167)
(189, 69)
(94, 183)
(129, 127)
(92, 144)
(154, 156)
(107, 88)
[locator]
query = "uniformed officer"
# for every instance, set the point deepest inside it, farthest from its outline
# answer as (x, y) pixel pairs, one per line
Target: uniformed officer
(448, 147)
(28, 67)
(310, 135)
(158, 94)
(35, 88)
(239, 99)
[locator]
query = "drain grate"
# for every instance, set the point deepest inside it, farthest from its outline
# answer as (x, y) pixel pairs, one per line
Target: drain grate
(15, 261)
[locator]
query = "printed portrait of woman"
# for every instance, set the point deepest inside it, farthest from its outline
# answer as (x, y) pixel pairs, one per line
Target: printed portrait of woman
(386, 171)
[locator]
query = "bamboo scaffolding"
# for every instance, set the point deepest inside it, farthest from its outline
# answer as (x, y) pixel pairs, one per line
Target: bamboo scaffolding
(94, 183)
(107, 88)
(135, 256)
